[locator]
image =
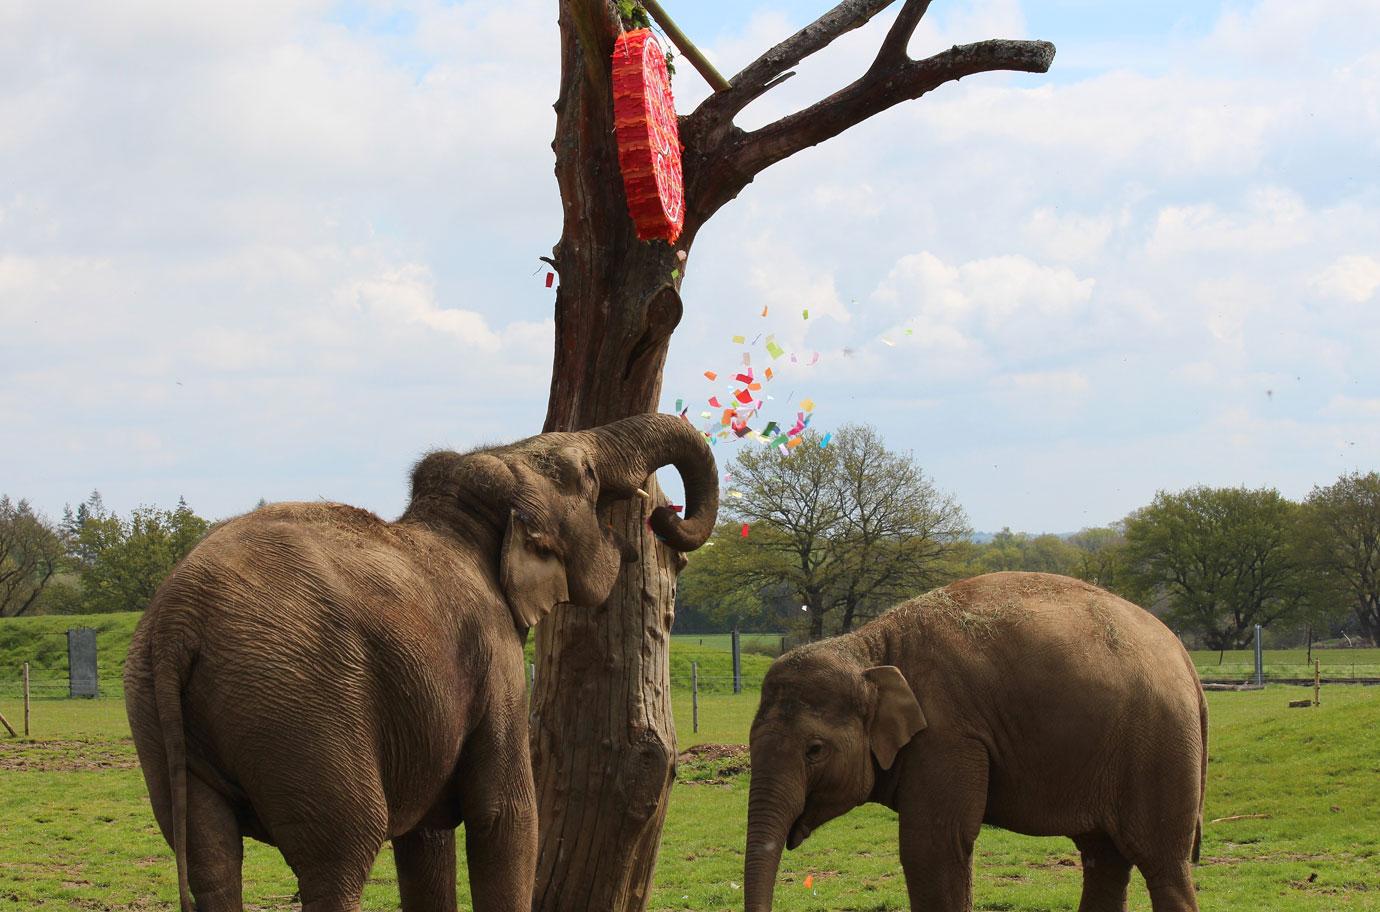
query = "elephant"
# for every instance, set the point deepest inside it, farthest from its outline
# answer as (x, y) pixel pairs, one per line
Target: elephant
(316, 678)
(1028, 701)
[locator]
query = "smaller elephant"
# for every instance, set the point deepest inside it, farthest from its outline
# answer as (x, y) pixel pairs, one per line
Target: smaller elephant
(1032, 702)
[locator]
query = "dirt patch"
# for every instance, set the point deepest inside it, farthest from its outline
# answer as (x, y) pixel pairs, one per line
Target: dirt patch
(712, 764)
(66, 756)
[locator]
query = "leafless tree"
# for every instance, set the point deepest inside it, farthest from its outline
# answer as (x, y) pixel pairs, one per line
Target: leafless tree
(602, 737)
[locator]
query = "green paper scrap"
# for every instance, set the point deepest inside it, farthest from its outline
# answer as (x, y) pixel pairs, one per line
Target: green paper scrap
(739, 340)
(805, 313)
(909, 331)
(774, 350)
(675, 273)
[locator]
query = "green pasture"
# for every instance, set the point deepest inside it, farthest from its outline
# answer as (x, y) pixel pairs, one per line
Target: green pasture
(1300, 783)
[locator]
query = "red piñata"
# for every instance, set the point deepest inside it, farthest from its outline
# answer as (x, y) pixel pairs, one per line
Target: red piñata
(644, 117)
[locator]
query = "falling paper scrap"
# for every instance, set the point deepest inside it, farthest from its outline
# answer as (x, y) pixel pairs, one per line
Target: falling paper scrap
(809, 878)
(744, 533)
(550, 278)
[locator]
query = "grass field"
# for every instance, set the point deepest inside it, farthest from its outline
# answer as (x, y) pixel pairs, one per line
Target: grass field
(79, 833)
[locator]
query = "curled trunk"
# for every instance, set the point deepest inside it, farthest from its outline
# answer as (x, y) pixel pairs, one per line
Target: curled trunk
(632, 449)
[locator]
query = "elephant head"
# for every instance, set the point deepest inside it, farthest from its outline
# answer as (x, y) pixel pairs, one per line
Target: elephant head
(824, 720)
(541, 503)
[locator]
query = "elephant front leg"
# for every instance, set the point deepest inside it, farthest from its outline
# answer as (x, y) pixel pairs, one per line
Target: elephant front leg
(941, 808)
(500, 812)
(426, 870)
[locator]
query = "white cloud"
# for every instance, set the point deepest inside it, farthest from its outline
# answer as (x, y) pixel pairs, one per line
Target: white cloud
(1353, 279)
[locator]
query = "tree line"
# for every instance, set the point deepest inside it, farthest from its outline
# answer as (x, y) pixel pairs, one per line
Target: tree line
(840, 530)
(831, 536)
(92, 561)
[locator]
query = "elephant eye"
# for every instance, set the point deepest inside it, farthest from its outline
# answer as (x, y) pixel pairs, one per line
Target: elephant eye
(815, 751)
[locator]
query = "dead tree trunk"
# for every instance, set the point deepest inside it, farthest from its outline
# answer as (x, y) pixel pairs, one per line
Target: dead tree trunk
(603, 741)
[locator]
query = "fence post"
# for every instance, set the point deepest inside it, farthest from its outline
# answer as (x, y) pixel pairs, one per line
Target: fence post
(1317, 681)
(531, 675)
(737, 663)
(695, 697)
(26, 699)
(1259, 660)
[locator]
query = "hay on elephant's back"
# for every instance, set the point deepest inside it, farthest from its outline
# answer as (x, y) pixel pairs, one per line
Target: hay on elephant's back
(976, 621)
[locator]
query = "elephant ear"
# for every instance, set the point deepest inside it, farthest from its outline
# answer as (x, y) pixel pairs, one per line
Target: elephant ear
(896, 715)
(533, 578)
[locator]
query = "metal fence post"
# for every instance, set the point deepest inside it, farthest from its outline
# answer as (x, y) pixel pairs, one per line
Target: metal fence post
(695, 697)
(737, 662)
(1259, 660)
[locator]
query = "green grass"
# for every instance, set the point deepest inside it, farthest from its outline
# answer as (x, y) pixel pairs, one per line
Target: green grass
(1278, 664)
(79, 834)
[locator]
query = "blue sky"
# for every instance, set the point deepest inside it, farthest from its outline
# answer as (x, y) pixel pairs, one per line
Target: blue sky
(278, 249)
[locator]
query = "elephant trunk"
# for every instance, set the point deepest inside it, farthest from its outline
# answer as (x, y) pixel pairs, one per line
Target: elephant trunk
(771, 811)
(634, 448)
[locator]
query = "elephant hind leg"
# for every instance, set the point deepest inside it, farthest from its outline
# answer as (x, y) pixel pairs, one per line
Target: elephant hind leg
(215, 849)
(425, 860)
(333, 853)
(1106, 873)
(1171, 887)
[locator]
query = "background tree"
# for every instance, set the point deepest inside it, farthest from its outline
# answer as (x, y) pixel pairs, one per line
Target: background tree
(848, 530)
(129, 559)
(1341, 528)
(1221, 560)
(1101, 558)
(601, 708)
(30, 553)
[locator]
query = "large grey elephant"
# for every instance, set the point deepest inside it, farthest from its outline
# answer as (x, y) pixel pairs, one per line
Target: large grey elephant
(1032, 702)
(319, 679)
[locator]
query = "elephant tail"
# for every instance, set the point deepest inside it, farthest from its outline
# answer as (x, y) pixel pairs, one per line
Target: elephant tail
(1202, 775)
(170, 670)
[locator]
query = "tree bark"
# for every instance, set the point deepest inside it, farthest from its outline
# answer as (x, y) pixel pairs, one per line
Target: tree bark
(603, 741)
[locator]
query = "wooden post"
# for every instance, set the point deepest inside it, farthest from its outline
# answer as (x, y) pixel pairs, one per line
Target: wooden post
(1317, 681)
(531, 674)
(8, 727)
(737, 662)
(26, 699)
(695, 697)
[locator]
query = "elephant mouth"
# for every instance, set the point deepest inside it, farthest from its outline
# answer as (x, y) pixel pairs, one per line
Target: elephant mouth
(800, 830)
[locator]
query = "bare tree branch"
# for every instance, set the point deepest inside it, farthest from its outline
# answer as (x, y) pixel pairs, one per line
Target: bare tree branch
(762, 74)
(882, 88)
(893, 49)
(721, 159)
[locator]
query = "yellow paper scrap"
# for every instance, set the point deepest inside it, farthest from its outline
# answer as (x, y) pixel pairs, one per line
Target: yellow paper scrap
(739, 340)
(807, 405)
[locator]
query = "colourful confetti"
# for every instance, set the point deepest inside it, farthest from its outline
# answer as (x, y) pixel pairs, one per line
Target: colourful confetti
(807, 404)
(825, 442)
(764, 311)
(773, 349)
(809, 878)
(739, 340)
(710, 375)
(550, 279)
(744, 533)
(805, 313)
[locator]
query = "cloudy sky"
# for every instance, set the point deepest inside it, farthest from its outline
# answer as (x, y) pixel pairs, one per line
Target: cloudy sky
(278, 248)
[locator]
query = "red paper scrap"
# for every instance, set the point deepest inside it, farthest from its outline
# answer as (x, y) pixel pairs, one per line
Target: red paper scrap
(550, 277)
(714, 401)
(744, 533)
(743, 396)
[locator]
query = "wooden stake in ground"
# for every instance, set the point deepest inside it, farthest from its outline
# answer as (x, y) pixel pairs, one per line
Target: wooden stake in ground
(1317, 682)
(603, 743)
(26, 699)
(8, 727)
